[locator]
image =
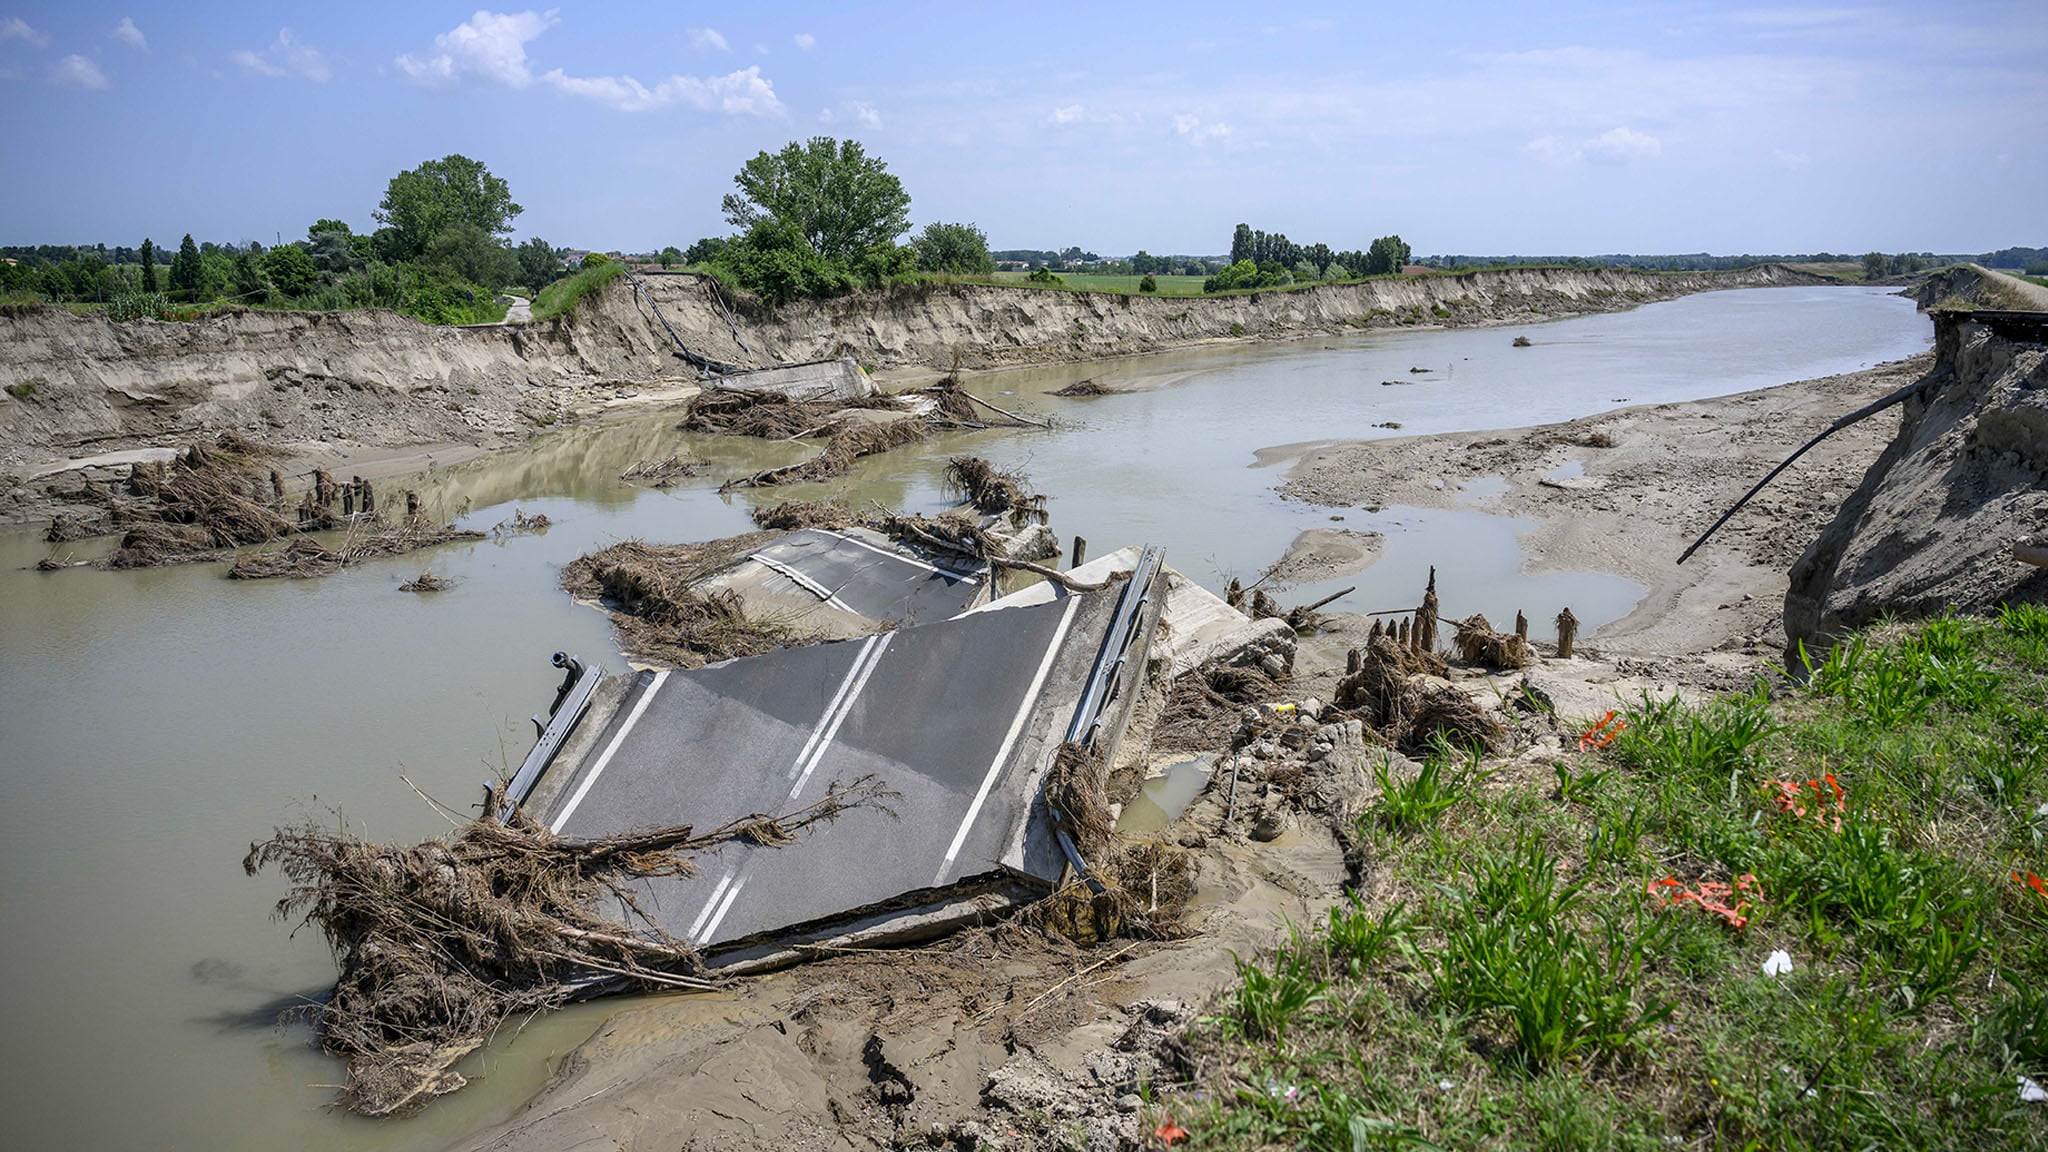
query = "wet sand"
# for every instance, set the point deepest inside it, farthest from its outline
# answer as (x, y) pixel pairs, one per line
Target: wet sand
(1626, 491)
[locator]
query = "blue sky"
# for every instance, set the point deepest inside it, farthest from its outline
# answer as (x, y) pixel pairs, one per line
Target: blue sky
(1472, 128)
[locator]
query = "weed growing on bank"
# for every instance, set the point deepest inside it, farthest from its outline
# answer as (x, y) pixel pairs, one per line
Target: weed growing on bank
(1581, 955)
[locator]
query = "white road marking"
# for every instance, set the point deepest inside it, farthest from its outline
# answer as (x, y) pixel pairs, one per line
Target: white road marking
(852, 673)
(824, 740)
(805, 582)
(710, 904)
(900, 557)
(731, 894)
(611, 749)
(1024, 708)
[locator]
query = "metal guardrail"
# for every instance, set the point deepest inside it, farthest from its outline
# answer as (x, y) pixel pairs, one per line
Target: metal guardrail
(571, 701)
(1104, 679)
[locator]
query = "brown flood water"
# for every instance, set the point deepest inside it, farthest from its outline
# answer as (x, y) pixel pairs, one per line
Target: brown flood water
(156, 722)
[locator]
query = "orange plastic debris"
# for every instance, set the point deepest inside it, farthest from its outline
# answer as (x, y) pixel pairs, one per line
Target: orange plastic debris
(1711, 895)
(1791, 798)
(2032, 881)
(1602, 734)
(1170, 1133)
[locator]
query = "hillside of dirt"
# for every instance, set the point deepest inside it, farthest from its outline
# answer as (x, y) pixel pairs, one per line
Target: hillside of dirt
(74, 386)
(1934, 521)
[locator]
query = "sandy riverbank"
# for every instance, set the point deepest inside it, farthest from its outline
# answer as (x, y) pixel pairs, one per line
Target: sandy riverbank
(1626, 491)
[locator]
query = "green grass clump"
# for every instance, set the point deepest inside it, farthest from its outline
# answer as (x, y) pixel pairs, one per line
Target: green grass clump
(560, 298)
(1515, 977)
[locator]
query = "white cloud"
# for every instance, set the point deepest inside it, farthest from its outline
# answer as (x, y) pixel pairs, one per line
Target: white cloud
(1067, 114)
(805, 41)
(1618, 145)
(489, 44)
(286, 56)
(79, 72)
(866, 116)
(127, 33)
(741, 93)
(15, 28)
(492, 46)
(704, 39)
(1621, 145)
(1792, 160)
(1197, 133)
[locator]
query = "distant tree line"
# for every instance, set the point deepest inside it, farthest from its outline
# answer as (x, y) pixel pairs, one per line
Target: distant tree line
(1269, 260)
(440, 254)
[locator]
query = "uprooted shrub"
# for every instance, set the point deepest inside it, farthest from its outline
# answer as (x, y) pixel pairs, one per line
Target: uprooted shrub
(440, 942)
(663, 617)
(1134, 888)
(992, 490)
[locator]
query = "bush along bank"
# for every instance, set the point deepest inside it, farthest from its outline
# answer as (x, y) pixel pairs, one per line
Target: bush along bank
(1810, 920)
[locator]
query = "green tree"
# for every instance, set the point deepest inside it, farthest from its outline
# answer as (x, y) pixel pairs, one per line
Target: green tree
(775, 261)
(1874, 265)
(244, 272)
(537, 264)
(840, 200)
(960, 248)
(291, 270)
(1320, 255)
(186, 271)
(148, 265)
(473, 254)
(671, 256)
(1241, 244)
(706, 250)
(1148, 284)
(326, 225)
(421, 204)
(1386, 255)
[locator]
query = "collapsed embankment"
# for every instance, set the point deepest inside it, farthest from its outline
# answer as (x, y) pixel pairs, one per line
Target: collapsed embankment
(1934, 521)
(76, 384)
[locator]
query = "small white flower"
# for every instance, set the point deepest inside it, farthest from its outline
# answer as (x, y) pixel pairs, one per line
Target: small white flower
(1778, 963)
(2031, 1093)
(1446, 1085)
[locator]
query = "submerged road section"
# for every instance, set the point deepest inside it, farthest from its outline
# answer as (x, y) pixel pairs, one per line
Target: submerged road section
(959, 719)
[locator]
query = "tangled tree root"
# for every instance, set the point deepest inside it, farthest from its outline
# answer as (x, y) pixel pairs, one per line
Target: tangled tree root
(441, 942)
(1205, 705)
(662, 618)
(993, 491)
(305, 557)
(1478, 643)
(1402, 694)
(771, 415)
(1084, 388)
(662, 473)
(1140, 887)
(845, 447)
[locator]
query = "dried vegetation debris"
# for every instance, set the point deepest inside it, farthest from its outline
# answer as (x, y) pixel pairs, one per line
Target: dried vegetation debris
(768, 415)
(663, 473)
(441, 942)
(992, 490)
(659, 613)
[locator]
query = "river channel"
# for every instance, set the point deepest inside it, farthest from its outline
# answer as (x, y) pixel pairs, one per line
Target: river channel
(156, 722)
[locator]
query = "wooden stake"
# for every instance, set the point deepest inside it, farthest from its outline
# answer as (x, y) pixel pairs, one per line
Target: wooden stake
(1426, 616)
(1521, 625)
(1080, 551)
(1567, 633)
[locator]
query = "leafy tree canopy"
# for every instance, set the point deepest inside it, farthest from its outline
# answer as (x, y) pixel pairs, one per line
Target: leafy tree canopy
(840, 200)
(290, 269)
(960, 248)
(421, 204)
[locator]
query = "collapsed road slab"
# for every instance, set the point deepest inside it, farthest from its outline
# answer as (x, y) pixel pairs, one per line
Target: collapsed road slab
(960, 718)
(846, 582)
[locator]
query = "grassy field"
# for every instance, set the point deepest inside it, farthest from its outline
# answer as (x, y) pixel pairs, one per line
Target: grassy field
(560, 297)
(1847, 272)
(1577, 955)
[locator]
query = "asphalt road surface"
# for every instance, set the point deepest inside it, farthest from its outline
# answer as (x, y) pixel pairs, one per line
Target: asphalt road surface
(959, 718)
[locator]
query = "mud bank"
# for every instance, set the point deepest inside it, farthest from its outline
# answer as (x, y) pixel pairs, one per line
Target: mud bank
(333, 383)
(1934, 522)
(1626, 491)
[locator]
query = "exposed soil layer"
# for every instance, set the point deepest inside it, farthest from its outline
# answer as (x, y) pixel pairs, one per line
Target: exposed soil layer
(1653, 478)
(1934, 522)
(370, 382)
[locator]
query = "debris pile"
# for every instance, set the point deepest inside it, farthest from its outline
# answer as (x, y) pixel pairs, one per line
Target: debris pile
(1139, 888)
(1478, 643)
(207, 498)
(662, 618)
(1403, 694)
(441, 942)
(796, 515)
(1083, 388)
(845, 446)
(993, 491)
(770, 415)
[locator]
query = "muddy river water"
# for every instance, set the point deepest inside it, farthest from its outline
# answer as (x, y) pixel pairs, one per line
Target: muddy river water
(155, 722)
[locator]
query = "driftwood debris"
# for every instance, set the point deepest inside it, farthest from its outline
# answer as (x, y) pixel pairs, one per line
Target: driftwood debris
(1567, 633)
(1478, 643)
(441, 942)
(991, 490)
